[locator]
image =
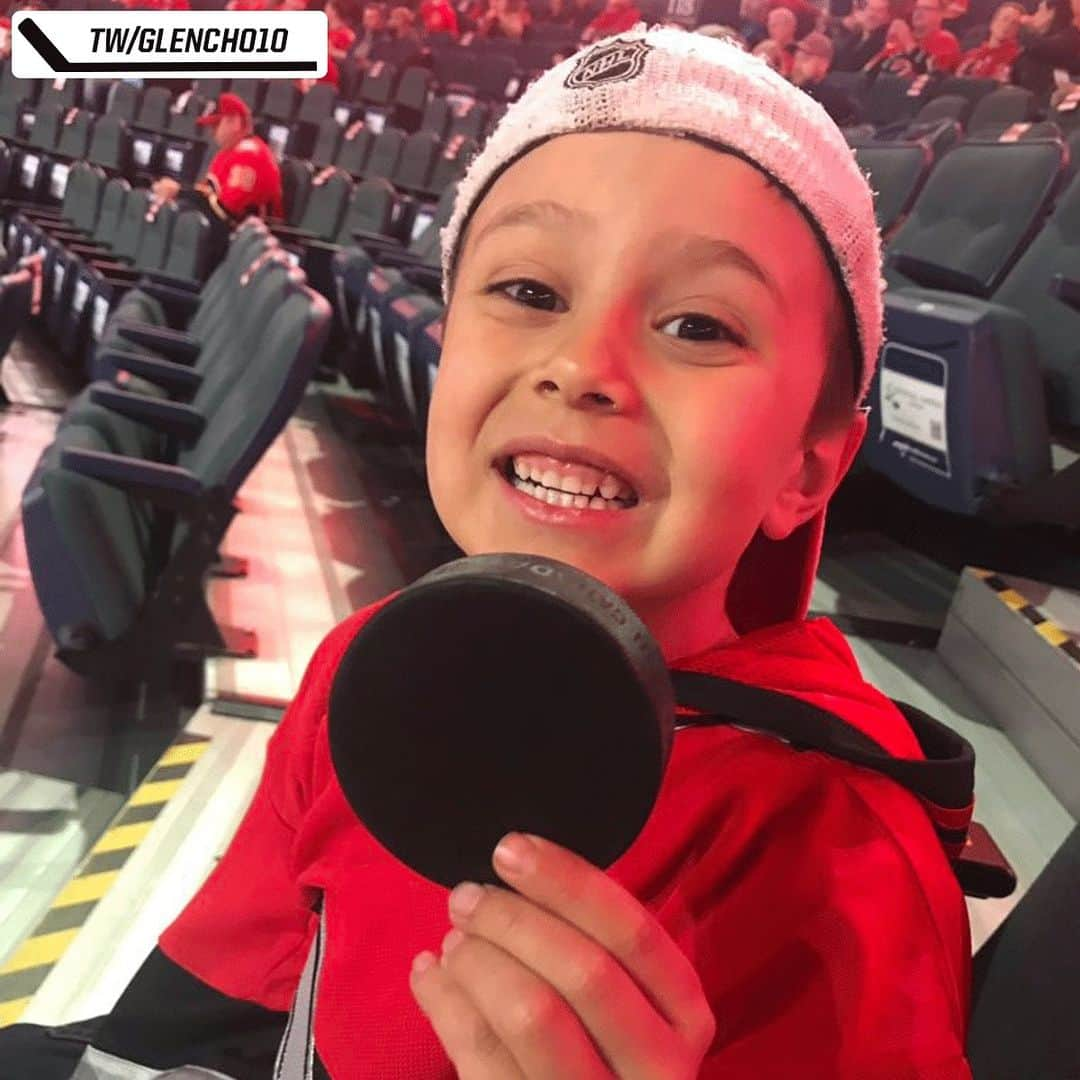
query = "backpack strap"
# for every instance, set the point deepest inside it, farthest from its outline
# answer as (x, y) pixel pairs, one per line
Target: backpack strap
(944, 782)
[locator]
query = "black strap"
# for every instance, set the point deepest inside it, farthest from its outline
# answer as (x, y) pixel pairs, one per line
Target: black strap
(946, 778)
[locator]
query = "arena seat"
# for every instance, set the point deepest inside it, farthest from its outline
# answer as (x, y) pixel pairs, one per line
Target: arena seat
(944, 107)
(251, 91)
(969, 388)
(452, 161)
(411, 98)
(296, 178)
(436, 118)
(28, 173)
(1000, 108)
(327, 143)
(386, 150)
(375, 97)
(888, 101)
(29, 227)
(426, 348)
(136, 593)
(399, 321)
(469, 118)
(122, 101)
(355, 150)
(416, 162)
(967, 245)
(321, 219)
(897, 173)
(16, 298)
(276, 119)
(110, 145)
(974, 90)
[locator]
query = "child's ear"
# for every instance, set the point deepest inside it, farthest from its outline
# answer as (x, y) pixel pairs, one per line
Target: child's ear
(816, 475)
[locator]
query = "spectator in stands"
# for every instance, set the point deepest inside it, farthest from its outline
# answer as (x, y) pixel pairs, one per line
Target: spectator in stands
(752, 16)
(5, 37)
(770, 52)
(341, 36)
(402, 26)
(994, 58)
(373, 31)
(781, 25)
(1048, 46)
(861, 35)
(243, 178)
(813, 58)
(438, 17)
(617, 16)
(923, 48)
(562, 13)
(504, 19)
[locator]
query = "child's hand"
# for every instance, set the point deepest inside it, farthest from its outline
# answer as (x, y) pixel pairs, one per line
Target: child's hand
(568, 978)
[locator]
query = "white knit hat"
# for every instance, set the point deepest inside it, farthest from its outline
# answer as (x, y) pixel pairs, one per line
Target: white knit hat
(666, 80)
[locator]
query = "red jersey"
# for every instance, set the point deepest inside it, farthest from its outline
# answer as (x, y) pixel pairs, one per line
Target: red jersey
(989, 61)
(245, 179)
(813, 897)
(438, 17)
(613, 22)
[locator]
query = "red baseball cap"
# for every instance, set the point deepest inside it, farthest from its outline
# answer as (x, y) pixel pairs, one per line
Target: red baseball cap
(227, 105)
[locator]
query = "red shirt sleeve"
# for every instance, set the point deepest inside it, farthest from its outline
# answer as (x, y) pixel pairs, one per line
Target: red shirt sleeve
(829, 931)
(248, 930)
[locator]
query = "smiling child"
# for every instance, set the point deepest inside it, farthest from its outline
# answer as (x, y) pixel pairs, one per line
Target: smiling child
(664, 312)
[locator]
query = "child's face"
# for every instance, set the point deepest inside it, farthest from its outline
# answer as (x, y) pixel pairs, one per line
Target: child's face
(643, 315)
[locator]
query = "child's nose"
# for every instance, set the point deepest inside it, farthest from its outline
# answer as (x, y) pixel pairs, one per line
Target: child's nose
(591, 376)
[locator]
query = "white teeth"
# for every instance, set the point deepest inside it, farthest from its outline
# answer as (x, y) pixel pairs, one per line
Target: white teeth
(596, 503)
(552, 496)
(566, 499)
(520, 470)
(550, 479)
(571, 484)
(609, 486)
(581, 502)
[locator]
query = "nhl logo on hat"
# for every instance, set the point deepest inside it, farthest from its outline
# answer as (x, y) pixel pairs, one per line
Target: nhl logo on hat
(616, 61)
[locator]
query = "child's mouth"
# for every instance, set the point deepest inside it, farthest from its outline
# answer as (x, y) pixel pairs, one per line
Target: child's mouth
(567, 484)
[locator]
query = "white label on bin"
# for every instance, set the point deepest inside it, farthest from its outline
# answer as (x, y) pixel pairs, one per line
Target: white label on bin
(58, 180)
(277, 137)
(101, 313)
(82, 291)
(375, 122)
(140, 151)
(376, 341)
(341, 114)
(913, 409)
(420, 223)
(401, 355)
(174, 159)
(30, 164)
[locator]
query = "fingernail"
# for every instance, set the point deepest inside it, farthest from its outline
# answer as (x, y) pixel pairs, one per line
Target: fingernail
(452, 941)
(422, 961)
(464, 898)
(515, 854)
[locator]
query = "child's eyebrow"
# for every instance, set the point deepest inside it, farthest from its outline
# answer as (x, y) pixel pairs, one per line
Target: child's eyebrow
(712, 251)
(541, 213)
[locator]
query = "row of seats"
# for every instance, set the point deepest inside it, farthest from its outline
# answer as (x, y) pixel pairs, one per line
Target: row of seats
(97, 245)
(982, 357)
(194, 386)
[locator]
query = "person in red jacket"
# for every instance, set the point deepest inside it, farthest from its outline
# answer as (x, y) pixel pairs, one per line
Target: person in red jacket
(664, 313)
(994, 58)
(243, 176)
(617, 16)
(439, 17)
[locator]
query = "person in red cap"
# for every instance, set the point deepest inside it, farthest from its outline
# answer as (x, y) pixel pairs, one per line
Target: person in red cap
(243, 178)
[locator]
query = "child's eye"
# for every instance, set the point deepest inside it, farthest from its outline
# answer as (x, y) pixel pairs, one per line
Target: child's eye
(529, 292)
(701, 328)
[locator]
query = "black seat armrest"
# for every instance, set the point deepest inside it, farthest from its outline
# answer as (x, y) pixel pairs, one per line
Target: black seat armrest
(372, 239)
(178, 380)
(169, 486)
(1067, 290)
(179, 304)
(427, 277)
(177, 345)
(931, 275)
(169, 417)
(159, 277)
